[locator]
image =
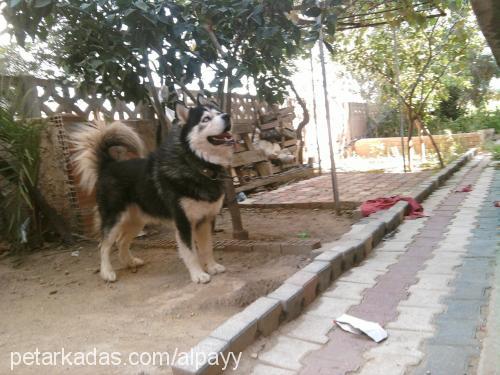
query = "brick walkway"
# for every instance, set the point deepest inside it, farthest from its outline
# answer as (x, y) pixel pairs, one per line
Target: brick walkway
(426, 286)
(353, 187)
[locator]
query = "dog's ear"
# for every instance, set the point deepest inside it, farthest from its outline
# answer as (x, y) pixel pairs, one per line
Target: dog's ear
(203, 101)
(181, 112)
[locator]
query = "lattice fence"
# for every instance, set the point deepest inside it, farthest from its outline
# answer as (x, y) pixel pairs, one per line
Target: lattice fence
(45, 98)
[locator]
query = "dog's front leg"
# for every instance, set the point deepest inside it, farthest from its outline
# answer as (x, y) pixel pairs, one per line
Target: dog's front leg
(204, 241)
(187, 250)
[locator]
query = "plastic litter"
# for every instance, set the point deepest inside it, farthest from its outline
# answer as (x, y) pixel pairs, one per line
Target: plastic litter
(358, 326)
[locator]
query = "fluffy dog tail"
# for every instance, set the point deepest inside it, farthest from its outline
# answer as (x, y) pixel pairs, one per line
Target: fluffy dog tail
(92, 149)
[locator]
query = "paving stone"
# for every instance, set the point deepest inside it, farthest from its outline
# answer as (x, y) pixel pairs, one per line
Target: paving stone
(267, 311)
(334, 259)
(323, 270)
(422, 192)
(445, 360)
(239, 331)
(330, 308)
(405, 235)
(308, 282)
(376, 264)
(355, 255)
(192, 363)
(346, 290)
(462, 309)
(366, 277)
(471, 289)
(358, 246)
(400, 247)
(415, 319)
(399, 342)
(384, 256)
(453, 332)
(287, 352)
(378, 229)
(438, 269)
(309, 327)
(433, 282)
(261, 369)
(389, 364)
(448, 247)
(291, 298)
(424, 298)
(476, 265)
(318, 190)
(450, 259)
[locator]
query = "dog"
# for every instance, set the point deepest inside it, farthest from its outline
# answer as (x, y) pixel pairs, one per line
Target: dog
(181, 181)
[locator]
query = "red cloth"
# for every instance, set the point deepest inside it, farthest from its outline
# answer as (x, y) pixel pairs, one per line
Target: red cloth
(465, 189)
(374, 205)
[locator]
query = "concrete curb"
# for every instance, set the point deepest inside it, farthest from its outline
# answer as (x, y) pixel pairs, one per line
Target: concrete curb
(287, 302)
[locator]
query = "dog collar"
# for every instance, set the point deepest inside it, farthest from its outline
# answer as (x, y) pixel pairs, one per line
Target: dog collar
(213, 175)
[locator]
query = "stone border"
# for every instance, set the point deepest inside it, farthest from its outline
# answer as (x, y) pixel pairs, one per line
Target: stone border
(285, 303)
(293, 246)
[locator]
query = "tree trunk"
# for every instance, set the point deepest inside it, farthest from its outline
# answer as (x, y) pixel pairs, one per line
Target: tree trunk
(234, 210)
(410, 141)
(314, 112)
(434, 144)
(303, 123)
(164, 123)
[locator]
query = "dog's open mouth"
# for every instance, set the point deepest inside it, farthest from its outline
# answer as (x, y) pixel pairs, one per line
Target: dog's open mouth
(222, 139)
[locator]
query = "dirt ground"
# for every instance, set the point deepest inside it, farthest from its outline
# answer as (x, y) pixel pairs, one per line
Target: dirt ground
(55, 299)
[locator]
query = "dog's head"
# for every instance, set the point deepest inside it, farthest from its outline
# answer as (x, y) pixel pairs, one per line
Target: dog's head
(207, 131)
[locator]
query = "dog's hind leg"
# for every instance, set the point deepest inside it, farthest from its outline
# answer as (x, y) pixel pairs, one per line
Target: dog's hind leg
(109, 238)
(205, 247)
(130, 226)
(187, 250)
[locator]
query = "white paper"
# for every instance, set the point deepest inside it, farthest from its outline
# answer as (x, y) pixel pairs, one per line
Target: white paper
(358, 326)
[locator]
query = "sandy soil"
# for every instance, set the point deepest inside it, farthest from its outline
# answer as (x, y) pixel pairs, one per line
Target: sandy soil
(56, 300)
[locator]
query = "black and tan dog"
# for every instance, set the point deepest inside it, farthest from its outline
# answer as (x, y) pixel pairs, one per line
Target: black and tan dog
(182, 181)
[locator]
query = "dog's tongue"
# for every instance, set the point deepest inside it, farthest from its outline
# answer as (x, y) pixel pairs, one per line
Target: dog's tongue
(225, 135)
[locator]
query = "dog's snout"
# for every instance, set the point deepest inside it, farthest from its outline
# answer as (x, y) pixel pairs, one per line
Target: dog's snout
(227, 121)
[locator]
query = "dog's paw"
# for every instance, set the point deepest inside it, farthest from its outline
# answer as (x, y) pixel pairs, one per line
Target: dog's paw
(108, 275)
(135, 262)
(215, 268)
(200, 278)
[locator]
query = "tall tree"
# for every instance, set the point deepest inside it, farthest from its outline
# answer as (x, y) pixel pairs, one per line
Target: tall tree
(430, 51)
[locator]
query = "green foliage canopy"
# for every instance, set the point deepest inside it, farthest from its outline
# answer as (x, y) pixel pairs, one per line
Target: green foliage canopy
(433, 56)
(118, 45)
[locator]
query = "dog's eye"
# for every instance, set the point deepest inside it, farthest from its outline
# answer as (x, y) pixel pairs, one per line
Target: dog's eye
(205, 119)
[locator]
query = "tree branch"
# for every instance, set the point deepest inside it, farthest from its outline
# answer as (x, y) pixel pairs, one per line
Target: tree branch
(214, 40)
(164, 122)
(304, 122)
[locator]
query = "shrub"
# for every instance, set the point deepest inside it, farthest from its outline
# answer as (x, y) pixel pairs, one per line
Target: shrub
(468, 123)
(19, 162)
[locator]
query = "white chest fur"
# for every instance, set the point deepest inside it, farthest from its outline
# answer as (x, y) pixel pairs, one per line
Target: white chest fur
(198, 210)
